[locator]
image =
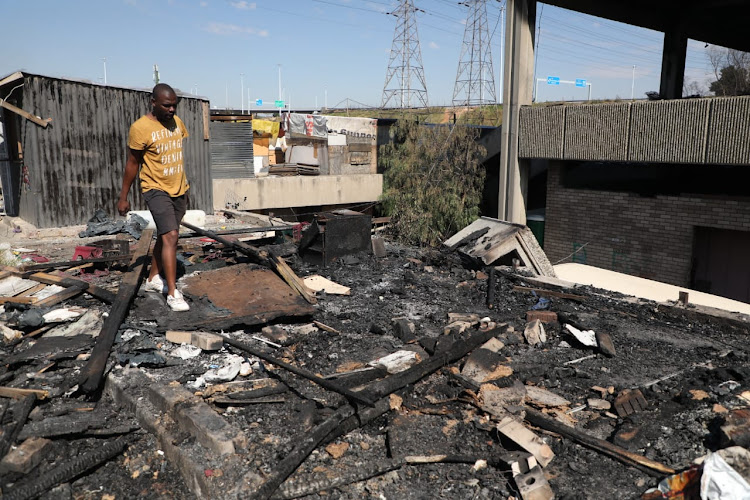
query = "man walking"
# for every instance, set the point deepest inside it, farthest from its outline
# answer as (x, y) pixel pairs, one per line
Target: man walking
(155, 149)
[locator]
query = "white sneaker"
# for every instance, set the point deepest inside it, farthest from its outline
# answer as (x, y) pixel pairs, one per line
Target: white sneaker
(155, 284)
(177, 302)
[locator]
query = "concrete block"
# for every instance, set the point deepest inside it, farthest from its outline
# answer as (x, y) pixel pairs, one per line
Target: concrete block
(26, 456)
(210, 429)
(167, 397)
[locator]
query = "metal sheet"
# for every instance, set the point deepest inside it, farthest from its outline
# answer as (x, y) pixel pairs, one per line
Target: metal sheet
(232, 150)
(245, 295)
(75, 165)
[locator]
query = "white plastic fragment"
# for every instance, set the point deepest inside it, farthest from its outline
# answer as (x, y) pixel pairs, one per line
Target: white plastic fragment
(586, 337)
(186, 351)
(63, 314)
(397, 361)
(720, 481)
(229, 371)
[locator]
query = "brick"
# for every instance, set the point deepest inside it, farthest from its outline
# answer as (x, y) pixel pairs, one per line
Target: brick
(26, 456)
(543, 316)
(207, 341)
(179, 337)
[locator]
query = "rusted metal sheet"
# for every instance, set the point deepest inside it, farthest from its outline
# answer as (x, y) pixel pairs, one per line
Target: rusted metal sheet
(244, 294)
(75, 165)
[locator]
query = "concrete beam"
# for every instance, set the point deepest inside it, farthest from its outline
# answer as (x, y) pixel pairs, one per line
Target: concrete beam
(518, 86)
(673, 64)
(296, 191)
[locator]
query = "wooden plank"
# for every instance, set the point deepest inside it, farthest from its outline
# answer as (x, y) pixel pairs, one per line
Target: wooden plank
(15, 393)
(541, 420)
(91, 375)
(25, 114)
(19, 300)
(68, 282)
(66, 294)
(32, 290)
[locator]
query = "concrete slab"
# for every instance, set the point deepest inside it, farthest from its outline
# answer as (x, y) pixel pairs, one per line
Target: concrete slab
(296, 191)
(643, 288)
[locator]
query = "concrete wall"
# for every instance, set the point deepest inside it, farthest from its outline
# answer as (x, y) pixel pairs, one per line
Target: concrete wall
(695, 131)
(296, 191)
(651, 237)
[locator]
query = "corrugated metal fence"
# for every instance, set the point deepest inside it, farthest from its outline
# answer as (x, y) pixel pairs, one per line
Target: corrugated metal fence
(75, 165)
(232, 150)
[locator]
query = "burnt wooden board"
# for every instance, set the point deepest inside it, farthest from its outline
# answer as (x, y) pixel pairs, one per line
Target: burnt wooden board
(241, 294)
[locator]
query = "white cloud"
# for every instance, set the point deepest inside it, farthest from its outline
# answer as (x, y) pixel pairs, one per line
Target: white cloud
(433, 45)
(233, 29)
(243, 5)
(204, 4)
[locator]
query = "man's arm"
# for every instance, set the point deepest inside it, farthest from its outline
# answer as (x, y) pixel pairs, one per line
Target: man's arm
(135, 158)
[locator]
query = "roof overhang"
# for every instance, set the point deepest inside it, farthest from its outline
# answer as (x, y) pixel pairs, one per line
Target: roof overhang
(719, 22)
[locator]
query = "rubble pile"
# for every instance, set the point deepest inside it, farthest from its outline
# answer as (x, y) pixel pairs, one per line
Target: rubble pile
(413, 374)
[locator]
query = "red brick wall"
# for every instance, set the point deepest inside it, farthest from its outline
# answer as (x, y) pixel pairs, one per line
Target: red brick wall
(651, 237)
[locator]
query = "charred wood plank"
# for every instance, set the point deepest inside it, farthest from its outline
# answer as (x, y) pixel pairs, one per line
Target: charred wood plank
(64, 426)
(326, 384)
(605, 447)
(13, 392)
(91, 375)
(93, 290)
(417, 372)
(67, 471)
(264, 258)
(20, 415)
(75, 263)
(300, 452)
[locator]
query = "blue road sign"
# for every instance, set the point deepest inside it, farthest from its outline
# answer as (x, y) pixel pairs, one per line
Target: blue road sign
(553, 80)
(580, 82)
(259, 102)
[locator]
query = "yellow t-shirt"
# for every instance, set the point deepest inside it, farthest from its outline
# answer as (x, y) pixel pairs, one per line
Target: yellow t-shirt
(163, 167)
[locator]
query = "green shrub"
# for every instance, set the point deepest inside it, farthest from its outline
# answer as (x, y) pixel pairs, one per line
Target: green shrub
(433, 180)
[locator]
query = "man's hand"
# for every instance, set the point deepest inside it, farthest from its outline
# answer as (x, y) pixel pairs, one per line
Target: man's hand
(123, 206)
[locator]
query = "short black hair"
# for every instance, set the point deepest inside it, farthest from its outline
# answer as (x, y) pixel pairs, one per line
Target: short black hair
(161, 87)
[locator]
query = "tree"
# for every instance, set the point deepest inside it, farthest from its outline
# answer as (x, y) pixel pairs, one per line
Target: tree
(433, 180)
(732, 71)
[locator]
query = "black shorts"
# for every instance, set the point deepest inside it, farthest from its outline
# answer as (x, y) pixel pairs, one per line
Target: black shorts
(166, 210)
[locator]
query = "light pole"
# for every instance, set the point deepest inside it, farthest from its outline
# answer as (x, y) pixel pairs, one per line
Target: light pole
(242, 92)
(632, 85)
(279, 81)
(280, 95)
(104, 60)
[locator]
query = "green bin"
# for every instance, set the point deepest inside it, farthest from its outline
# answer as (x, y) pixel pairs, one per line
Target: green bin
(536, 224)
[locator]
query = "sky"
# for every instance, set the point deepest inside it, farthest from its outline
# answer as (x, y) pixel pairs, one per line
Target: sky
(319, 52)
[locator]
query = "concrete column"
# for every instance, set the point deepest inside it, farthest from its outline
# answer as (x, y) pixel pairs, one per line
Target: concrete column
(673, 64)
(518, 79)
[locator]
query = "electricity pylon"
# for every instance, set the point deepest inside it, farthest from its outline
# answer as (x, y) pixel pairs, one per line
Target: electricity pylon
(475, 80)
(405, 85)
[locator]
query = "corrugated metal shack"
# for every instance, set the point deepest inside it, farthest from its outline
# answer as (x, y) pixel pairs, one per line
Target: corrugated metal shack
(60, 174)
